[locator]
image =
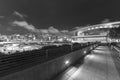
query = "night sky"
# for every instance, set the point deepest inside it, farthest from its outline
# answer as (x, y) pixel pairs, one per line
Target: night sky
(62, 14)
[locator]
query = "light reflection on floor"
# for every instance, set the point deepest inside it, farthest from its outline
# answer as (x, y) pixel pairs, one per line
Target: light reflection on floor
(69, 73)
(95, 67)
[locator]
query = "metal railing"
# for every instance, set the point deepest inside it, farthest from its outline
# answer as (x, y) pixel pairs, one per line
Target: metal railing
(22, 60)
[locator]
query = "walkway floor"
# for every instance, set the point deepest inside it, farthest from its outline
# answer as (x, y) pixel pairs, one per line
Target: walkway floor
(97, 66)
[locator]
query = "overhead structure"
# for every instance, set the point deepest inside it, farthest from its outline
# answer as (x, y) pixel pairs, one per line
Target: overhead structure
(80, 35)
(98, 26)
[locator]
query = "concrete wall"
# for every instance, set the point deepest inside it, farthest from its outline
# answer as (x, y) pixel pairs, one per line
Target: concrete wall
(47, 70)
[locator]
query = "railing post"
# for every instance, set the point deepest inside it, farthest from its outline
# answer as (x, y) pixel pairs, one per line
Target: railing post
(71, 47)
(46, 54)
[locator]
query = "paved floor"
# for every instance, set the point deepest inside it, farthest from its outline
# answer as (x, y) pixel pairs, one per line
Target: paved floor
(97, 66)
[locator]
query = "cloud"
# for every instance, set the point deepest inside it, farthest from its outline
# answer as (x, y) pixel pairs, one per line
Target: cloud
(25, 25)
(30, 27)
(43, 31)
(105, 21)
(51, 29)
(19, 21)
(77, 28)
(64, 31)
(1, 17)
(19, 14)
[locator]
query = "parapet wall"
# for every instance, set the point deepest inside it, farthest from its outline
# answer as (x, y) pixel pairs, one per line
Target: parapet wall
(45, 71)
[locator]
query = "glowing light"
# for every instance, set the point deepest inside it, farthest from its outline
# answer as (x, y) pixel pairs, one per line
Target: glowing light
(116, 26)
(89, 56)
(110, 26)
(91, 48)
(85, 52)
(88, 28)
(96, 27)
(117, 40)
(67, 62)
(92, 28)
(105, 26)
(101, 27)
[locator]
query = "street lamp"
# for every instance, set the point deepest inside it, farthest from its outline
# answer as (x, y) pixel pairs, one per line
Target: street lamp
(67, 62)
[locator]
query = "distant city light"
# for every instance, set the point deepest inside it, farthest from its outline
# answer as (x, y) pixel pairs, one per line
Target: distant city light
(91, 48)
(92, 28)
(89, 29)
(85, 52)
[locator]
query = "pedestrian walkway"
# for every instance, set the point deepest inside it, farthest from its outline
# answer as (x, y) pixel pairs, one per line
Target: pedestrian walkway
(97, 66)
